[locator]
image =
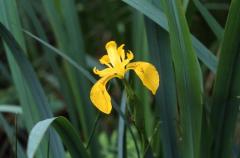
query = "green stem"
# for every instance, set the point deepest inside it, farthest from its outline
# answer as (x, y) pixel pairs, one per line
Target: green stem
(16, 129)
(134, 104)
(93, 130)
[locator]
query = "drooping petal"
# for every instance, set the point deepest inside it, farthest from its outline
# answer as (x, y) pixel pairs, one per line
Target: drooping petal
(113, 55)
(100, 97)
(147, 73)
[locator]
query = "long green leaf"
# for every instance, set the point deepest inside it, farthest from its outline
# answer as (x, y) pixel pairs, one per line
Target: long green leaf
(226, 89)
(122, 151)
(33, 85)
(11, 109)
(31, 13)
(211, 21)
(158, 16)
(69, 39)
(71, 61)
(12, 137)
(166, 99)
(188, 79)
(141, 53)
(64, 128)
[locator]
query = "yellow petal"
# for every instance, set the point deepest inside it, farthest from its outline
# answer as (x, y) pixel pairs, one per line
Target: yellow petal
(104, 72)
(130, 55)
(121, 52)
(113, 53)
(105, 60)
(100, 97)
(147, 73)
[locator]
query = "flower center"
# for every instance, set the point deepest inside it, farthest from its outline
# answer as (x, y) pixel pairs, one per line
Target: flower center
(120, 70)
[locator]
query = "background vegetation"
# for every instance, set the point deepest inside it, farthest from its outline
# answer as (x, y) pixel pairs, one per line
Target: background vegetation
(49, 48)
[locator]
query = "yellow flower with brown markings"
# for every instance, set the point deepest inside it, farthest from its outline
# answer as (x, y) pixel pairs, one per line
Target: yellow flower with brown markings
(118, 63)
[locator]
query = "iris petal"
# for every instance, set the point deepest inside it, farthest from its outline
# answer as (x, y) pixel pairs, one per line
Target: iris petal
(113, 53)
(121, 52)
(105, 60)
(99, 95)
(104, 72)
(147, 73)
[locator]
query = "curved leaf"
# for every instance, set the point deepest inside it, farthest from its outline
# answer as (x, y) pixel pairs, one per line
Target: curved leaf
(66, 131)
(156, 15)
(32, 87)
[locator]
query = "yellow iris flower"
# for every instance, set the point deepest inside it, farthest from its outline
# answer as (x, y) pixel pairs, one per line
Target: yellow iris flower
(118, 63)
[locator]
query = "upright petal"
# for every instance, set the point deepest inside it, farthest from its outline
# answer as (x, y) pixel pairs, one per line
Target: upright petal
(113, 53)
(147, 73)
(121, 52)
(99, 95)
(105, 60)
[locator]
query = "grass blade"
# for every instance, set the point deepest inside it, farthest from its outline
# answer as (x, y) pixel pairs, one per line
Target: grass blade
(166, 99)
(64, 128)
(33, 85)
(122, 151)
(141, 53)
(158, 16)
(31, 13)
(71, 61)
(226, 89)
(15, 109)
(11, 136)
(211, 21)
(187, 73)
(69, 39)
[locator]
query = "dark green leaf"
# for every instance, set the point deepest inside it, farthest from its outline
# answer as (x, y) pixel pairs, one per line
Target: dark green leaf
(158, 16)
(225, 101)
(64, 128)
(33, 84)
(188, 79)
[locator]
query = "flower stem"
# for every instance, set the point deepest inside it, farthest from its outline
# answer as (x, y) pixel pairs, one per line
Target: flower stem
(134, 103)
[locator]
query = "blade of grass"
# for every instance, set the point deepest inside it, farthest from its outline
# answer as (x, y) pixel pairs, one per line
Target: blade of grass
(116, 107)
(122, 151)
(96, 122)
(4, 72)
(69, 39)
(9, 16)
(211, 21)
(50, 57)
(217, 6)
(187, 73)
(140, 49)
(155, 14)
(81, 69)
(64, 128)
(185, 4)
(166, 99)
(32, 86)
(226, 88)
(16, 109)
(11, 136)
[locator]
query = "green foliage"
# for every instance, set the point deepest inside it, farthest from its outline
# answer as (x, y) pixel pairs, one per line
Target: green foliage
(66, 131)
(47, 52)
